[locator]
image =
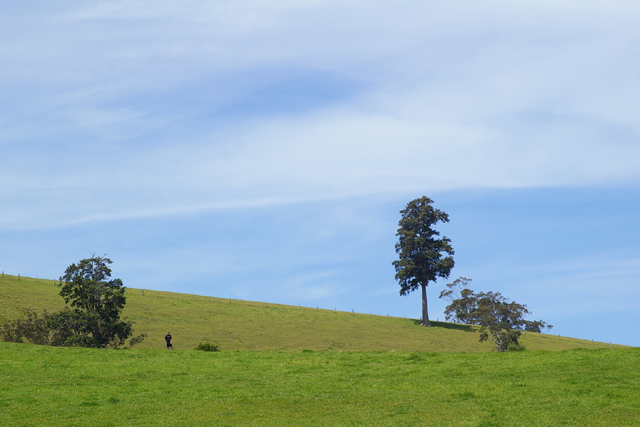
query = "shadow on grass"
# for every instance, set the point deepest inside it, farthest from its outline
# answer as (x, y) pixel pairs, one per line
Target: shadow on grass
(447, 325)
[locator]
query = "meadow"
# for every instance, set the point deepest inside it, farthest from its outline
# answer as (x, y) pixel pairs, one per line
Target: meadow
(80, 387)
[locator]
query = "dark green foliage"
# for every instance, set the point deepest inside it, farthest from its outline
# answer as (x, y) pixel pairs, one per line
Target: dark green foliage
(137, 339)
(31, 328)
(56, 329)
(96, 303)
(537, 326)
(205, 346)
(93, 319)
(420, 250)
(500, 320)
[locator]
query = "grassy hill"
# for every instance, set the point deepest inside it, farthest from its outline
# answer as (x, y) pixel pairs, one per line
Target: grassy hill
(302, 374)
(242, 325)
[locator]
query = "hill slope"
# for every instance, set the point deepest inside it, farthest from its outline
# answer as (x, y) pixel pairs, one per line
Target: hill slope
(242, 325)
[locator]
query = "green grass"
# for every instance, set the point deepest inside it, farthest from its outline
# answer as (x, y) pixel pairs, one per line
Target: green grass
(77, 387)
(314, 367)
(242, 325)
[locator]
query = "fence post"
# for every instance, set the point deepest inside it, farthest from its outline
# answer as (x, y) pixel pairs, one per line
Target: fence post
(18, 276)
(143, 292)
(352, 313)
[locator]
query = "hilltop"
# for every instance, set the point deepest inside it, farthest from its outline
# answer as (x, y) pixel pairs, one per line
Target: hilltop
(250, 325)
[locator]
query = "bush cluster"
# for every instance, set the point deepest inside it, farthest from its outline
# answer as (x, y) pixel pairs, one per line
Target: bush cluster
(205, 346)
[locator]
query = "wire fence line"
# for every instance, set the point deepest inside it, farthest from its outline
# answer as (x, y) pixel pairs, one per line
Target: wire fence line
(263, 304)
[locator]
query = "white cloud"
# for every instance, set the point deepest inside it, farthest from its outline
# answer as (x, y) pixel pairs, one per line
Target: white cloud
(455, 95)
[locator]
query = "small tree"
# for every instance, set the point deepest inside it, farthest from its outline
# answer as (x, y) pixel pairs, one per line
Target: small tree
(96, 304)
(420, 250)
(500, 320)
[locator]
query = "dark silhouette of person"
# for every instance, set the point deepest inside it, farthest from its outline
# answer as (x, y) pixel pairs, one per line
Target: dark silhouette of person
(169, 341)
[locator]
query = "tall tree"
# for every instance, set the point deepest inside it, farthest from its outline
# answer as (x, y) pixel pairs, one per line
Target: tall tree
(423, 255)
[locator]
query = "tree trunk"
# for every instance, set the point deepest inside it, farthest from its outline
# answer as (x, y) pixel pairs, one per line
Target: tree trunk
(425, 312)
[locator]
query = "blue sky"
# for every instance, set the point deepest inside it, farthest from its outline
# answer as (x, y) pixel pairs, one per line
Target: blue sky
(264, 150)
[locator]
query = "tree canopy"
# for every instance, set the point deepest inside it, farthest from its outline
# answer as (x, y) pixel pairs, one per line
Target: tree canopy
(96, 303)
(423, 256)
(499, 320)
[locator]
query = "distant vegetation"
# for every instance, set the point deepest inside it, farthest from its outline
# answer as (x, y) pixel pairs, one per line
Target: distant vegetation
(424, 256)
(500, 320)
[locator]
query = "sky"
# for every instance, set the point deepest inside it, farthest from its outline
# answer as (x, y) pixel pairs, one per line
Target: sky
(263, 150)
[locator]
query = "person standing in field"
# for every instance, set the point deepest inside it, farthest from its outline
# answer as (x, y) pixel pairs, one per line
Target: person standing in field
(169, 341)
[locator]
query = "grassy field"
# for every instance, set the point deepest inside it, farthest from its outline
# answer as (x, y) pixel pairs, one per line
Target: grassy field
(242, 325)
(86, 387)
(293, 366)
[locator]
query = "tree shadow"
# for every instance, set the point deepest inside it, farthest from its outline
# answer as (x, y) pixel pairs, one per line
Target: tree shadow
(448, 325)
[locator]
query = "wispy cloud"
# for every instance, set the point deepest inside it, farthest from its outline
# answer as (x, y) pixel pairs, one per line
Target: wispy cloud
(408, 97)
(158, 114)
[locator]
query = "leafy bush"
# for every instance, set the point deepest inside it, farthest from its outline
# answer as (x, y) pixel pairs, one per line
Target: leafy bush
(516, 347)
(205, 346)
(31, 328)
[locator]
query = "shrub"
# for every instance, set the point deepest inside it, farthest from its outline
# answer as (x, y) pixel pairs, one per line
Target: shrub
(516, 347)
(205, 346)
(31, 328)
